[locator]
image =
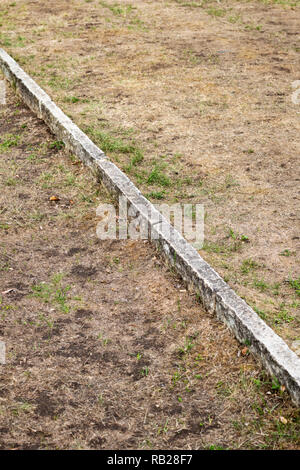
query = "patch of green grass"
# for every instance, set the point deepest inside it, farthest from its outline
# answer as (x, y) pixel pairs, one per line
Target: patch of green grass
(188, 346)
(53, 293)
(291, 3)
(57, 145)
(59, 83)
(145, 371)
(283, 316)
(249, 265)
(8, 141)
(137, 23)
(295, 284)
(11, 182)
(261, 313)
(117, 9)
(237, 236)
(156, 176)
(20, 41)
(191, 4)
(215, 447)
(5, 308)
(176, 377)
(218, 12)
(287, 252)
(43, 320)
(70, 179)
(212, 247)
(71, 99)
(234, 19)
(156, 195)
(46, 176)
(109, 143)
(85, 198)
(164, 428)
(125, 12)
(275, 383)
(223, 389)
(5, 41)
(22, 406)
(231, 182)
(275, 288)
(42, 291)
(37, 216)
(232, 234)
(260, 284)
(253, 27)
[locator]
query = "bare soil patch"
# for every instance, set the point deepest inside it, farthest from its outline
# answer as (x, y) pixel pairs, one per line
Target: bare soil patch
(105, 348)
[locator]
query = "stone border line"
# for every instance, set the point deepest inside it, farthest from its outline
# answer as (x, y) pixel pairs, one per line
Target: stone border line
(215, 295)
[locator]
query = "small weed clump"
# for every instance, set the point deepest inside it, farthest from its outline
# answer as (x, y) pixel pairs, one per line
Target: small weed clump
(295, 284)
(8, 141)
(53, 293)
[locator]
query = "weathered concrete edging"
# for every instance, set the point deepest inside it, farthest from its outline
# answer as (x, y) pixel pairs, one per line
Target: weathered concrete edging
(216, 296)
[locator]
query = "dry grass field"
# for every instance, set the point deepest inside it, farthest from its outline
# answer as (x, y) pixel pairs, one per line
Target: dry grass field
(105, 348)
(193, 101)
